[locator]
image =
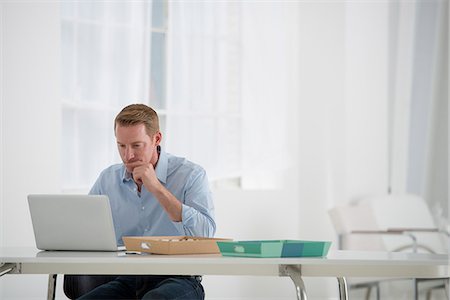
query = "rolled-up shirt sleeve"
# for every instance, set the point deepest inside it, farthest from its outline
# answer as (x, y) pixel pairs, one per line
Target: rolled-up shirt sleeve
(197, 207)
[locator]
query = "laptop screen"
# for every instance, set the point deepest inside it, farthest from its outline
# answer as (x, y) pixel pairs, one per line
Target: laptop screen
(72, 222)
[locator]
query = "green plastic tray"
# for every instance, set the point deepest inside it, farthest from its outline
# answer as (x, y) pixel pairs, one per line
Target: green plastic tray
(275, 248)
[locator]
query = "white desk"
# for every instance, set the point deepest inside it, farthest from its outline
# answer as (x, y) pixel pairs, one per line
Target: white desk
(339, 264)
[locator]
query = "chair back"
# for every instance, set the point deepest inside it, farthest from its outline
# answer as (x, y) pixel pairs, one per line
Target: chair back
(405, 211)
(382, 213)
(348, 218)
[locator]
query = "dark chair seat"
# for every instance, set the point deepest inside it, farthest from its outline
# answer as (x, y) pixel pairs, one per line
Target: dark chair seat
(77, 285)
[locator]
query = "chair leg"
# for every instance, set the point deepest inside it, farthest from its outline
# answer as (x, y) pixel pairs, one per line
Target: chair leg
(51, 286)
(368, 292)
(444, 287)
(415, 289)
(429, 292)
(377, 290)
(447, 288)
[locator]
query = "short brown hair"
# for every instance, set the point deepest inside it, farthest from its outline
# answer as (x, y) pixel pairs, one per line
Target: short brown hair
(135, 114)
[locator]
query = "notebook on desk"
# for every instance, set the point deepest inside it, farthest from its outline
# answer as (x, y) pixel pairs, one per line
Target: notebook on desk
(72, 222)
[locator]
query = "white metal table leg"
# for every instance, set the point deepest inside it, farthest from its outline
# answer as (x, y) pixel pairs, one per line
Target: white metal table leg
(51, 286)
(6, 268)
(343, 292)
(294, 272)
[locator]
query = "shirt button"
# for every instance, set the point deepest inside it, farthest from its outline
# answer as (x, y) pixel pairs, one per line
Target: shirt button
(143, 207)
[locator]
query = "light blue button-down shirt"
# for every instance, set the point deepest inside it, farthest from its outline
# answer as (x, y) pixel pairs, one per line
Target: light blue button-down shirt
(140, 214)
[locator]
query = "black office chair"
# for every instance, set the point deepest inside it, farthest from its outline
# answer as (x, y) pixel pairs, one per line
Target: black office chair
(77, 285)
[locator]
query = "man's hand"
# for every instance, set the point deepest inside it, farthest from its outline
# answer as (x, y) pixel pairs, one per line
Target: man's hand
(144, 173)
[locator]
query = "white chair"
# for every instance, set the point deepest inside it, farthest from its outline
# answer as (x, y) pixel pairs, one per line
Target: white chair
(388, 223)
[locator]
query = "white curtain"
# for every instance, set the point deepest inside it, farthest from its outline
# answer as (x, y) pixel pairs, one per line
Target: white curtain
(105, 66)
(270, 95)
(232, 87)
(204, 77)
(231, 83)
(419, 98)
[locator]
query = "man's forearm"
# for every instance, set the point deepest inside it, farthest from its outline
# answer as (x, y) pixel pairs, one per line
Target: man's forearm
(169, 202)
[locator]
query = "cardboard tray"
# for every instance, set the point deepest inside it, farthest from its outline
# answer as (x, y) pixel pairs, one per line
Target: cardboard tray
(274, 248)
(172, 244)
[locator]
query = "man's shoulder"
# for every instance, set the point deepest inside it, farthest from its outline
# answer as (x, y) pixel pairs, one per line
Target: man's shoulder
(177, 163)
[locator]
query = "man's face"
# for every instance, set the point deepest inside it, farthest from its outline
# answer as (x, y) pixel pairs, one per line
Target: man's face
(135, 145)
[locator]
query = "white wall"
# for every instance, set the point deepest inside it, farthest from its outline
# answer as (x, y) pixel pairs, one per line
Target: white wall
(342, 113)
(340, 117)
(253, 215)
(30, 123)
(269, 91)
(321, 154)
(343, 105)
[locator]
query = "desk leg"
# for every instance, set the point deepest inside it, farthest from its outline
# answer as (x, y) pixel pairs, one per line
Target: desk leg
(51, 286)
(343, 293)
(295, 274)
(6, 268)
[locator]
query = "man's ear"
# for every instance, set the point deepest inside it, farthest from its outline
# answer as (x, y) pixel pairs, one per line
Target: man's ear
(157, 137)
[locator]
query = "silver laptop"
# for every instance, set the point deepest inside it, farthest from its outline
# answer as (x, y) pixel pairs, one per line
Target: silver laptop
(72, 222)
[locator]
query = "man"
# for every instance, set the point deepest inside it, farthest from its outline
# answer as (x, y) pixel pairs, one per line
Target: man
(153, 193)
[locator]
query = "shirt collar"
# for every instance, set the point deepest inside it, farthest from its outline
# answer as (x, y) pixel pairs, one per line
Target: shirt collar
(162, 166)
(161, 169)
(126, 175)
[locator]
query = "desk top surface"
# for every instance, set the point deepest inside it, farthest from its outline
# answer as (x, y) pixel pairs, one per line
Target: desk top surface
(336, 264)
(33, 255)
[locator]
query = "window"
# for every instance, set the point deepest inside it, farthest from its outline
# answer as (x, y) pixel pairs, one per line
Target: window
(113, 54)
(204, 94)
(199, 65)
